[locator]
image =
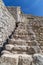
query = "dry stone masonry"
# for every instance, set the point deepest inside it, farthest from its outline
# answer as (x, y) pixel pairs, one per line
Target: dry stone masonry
(23, 35)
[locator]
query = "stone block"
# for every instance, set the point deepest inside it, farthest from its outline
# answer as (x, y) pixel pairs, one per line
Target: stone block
(9, 47)
(33, 49)
(38, 59)
(9, 59)
(25, 60)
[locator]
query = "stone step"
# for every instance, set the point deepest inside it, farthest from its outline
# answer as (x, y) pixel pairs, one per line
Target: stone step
(21, 59)
(13, 52)
(9, 47)
(16, 59)
(18, 49)
(15, 48)
(18, 52)
(23, 42)
(16, 36)
(24, 31)
(5, 52)
(17, 41)
(21, 32)
(26, 36)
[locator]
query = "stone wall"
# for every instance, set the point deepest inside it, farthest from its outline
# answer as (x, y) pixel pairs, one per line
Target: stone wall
(8, 17)
(7, 23)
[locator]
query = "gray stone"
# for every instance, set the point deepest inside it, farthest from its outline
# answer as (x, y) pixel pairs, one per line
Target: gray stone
(38, 59)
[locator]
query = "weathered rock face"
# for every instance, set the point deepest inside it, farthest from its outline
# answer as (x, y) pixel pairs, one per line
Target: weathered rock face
(7, 23)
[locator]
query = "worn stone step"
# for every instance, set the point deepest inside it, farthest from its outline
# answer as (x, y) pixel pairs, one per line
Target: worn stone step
(16, 59)
(16, 36)
(18, 52)
(21, 31)
(21, 59)
(9, 59)
(26, 36)
(5, 52)
(18, 49)
(32, 43)
(23, 42)
(13, 52)
(11, 47)
(17, 42)
(24, 31)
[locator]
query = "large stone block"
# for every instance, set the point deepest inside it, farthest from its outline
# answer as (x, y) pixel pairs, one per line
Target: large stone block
(9, 59)
(25, 60)
(16, 59)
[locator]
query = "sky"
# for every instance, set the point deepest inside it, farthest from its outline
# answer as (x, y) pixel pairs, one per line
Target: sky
(34, 7)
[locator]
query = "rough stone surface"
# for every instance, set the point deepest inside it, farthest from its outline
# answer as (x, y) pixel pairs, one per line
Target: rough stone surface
(38, 59)
(24, 46)
(8, 17)
(25, 60)
(19, 59)
(8, 59)
(7, 23)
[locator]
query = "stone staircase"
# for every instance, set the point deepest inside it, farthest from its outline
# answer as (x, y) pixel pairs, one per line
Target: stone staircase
(22, 45)
(25, 45)
(23, 41)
